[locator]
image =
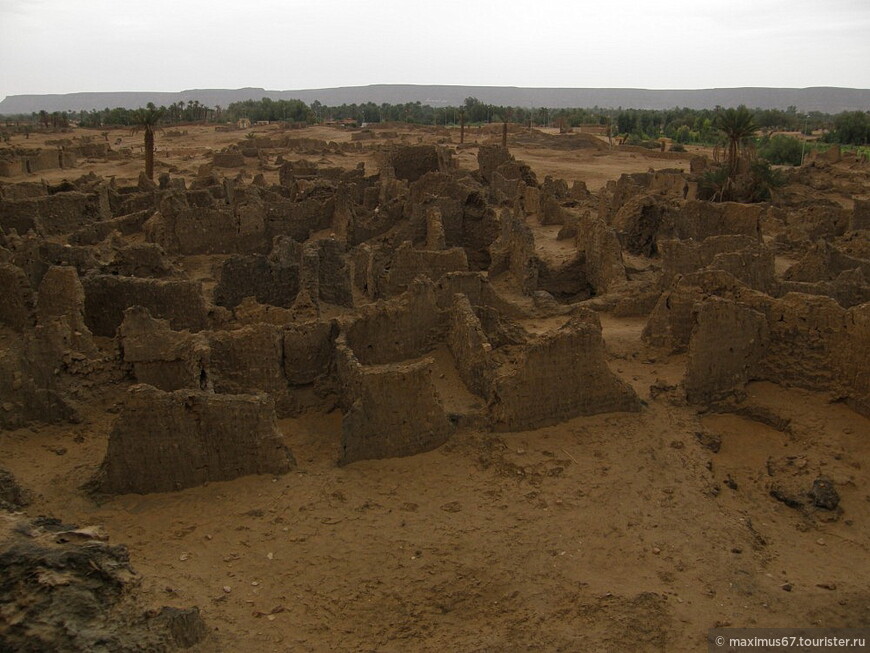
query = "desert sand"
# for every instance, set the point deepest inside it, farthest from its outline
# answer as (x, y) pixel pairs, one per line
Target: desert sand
(623, 530)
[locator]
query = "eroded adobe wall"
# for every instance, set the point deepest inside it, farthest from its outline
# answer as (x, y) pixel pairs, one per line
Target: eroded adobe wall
(390, 410)
(271, 282)
(17, 299)
(60, 213)
(107, 297)
(470, 348)
(165, 441)
(727, 342)
(559, 376)
(209, 231)
(397, 329)
(166, 359)
(409, 263)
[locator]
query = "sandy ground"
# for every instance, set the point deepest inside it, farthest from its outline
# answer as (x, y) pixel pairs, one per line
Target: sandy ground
(618, 532)
(182, 155)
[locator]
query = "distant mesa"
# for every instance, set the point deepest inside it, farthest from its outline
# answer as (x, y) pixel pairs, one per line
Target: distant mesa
(825, 99)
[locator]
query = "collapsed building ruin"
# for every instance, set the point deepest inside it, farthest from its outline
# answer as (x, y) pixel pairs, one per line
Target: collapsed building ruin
(335, 289)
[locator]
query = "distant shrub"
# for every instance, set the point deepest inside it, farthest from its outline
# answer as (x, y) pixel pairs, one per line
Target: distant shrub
(677, 147)
(851, 128)
(781, 150)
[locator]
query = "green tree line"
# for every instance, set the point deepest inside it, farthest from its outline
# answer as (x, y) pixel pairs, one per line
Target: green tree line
(682, 125)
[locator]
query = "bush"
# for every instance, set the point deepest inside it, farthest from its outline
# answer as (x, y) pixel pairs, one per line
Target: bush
(677, 147)
(781, 150)
(851, 128)
(753, 184)
(683, 135)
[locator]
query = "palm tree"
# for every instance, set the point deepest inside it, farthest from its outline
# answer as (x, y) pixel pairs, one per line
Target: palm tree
(738, 125)
(146, 120)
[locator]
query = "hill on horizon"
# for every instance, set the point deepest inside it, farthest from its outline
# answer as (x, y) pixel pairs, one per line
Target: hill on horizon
(820, 98)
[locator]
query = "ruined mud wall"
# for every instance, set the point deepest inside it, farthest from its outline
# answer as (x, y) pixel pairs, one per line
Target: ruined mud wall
(275, 283)
(397, 329)
(808, 341)
(740, 255)
(209, 231)
(107, 297)
(604, 265)
(166, 359)
(60, 213)
(165, 441)
(671, 322)
(559, 376)
(726, 344)
(325, 273)
(514, 251)
(470, 348)
(410, 162)
(17, 299)
(249, 360)
(258, 358)
(409, 263)
(391, 410)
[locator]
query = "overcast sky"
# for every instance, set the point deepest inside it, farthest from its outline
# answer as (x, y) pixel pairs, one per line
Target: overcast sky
(54, 46)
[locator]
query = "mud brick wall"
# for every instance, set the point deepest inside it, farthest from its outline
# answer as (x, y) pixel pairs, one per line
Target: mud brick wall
(333, 273)
(470, 348)
(860, 218)
(60, 308)
(397, 329)
(671, 322)
(506, 190)
(61, 213)
(165, 441)
(818, 218)
(249, 360)
(444, 193)
(754, 267)
(490, 157)
(298, 219)
(273, 283)
(392, 410)
(209, 231)
(852, 355)
(99, 231)
(824, 262)
(557, 377)
(228, 160)
(605, 269)
(166, 359)
(309, 351)
(850, 288)
(726, 344)
(812, 342)
(805, 334)
(411, 162)
(684, 256)
(107, 297)
(409, 263)
(139, 260)
(17, 299)
(26, 397)
(699, 220)
(514, 251)
(476, 287)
